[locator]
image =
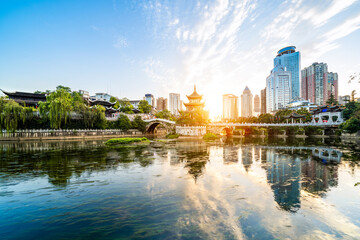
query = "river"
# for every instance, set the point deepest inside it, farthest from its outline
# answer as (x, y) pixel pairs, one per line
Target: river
(185, 189)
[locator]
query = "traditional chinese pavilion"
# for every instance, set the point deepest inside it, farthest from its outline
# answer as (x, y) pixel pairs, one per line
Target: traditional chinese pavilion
(195, 101)
(28, 99)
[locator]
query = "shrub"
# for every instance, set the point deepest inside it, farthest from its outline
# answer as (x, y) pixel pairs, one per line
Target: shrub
(172, 136)
(210, 137)
(352, 125)
(115, 141)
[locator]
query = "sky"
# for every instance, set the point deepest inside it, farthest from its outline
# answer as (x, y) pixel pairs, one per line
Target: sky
(130, 48)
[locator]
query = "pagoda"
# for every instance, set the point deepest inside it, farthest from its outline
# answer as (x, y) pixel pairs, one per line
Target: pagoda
(194, 101)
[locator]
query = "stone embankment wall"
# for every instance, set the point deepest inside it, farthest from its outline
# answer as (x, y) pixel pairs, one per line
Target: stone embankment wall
(191, 130)
(47, 134)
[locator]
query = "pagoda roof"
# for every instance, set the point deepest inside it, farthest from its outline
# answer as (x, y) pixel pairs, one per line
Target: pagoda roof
(102, 103)
(194, 104)
(194, 94)
(111, 110)
(25, 94)
(294, 115)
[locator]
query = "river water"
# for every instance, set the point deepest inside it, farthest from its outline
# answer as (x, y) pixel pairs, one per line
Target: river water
(229, 189)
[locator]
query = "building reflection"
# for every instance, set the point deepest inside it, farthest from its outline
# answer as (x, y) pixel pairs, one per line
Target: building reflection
(194, 156)
(283, 175)
(317, 177)
(290, 170)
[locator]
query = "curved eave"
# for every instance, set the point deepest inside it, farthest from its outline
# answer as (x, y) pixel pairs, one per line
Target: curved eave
(194, 104)
(194, 96)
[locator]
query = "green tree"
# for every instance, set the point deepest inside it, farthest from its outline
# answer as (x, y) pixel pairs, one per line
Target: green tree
(164, 114)
(352, 125)
(125, 106)
(265, 118)
(332, 100)
(117, 104)
(307, 115)
(350, 109)
(123, 122)
(144, 106)
(195, 118)
(58, 106)
(139, 124)
(11, 114)
(67, 89)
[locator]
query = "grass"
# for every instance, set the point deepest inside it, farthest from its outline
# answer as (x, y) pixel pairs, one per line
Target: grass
(116, 141)
(172, 136)
(210, 137)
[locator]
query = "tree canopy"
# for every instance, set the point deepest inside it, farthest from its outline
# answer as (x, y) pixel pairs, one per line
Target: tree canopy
(144, 106)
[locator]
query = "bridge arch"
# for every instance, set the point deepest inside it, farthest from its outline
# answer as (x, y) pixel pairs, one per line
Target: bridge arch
(228, 131)
(154, 123)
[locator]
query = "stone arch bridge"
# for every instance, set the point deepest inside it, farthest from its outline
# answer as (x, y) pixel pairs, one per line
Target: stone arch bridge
(152, 124)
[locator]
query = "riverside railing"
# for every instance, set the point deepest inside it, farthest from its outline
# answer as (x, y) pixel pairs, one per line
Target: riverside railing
(44, 133)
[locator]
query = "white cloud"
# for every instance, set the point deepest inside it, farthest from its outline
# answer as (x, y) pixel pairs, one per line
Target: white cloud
(120, 43)
(225, 45)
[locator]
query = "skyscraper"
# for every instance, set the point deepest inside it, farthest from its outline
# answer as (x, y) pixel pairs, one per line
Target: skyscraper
(290, 60)
(318, 84)
(263, 101)
(150, 99)
(174, 103)
(257, 104)
(246, 103)
(230, 107)
(278, 89)
(161, 104)
(333, 85)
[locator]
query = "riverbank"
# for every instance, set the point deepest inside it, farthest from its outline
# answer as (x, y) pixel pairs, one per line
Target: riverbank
(79, 134)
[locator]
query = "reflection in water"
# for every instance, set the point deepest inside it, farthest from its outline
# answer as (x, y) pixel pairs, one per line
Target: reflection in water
(228, 190)
(284, 176)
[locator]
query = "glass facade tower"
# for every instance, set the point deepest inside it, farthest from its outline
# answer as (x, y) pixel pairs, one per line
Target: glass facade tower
(289, 58)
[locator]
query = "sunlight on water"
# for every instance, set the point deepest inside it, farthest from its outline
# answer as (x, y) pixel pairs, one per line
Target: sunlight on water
(183, 189)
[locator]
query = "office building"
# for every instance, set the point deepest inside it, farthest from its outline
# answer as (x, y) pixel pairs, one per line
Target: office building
(257, 104)
(333, 85)
(150, 99)
(278, 89)
(161, 104)
(318, 84)
(344, 99)
(101, 96)
(246, 103)
(230, 107)
(174, 103)
(289, 58)
(263, 101)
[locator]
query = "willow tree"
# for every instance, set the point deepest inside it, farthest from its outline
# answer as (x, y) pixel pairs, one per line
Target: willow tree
(58, 104)
(11, 114)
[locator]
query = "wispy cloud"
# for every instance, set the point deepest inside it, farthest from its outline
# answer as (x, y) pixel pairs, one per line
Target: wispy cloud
(120, 43)
(226, 43)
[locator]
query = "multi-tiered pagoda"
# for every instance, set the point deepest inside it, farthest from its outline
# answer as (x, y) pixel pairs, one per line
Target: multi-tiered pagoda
(195, 102)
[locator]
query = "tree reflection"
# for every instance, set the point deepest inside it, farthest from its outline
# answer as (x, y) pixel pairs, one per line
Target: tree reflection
(60, 165)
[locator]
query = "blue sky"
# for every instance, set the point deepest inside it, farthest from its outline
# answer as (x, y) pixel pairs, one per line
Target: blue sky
(129, 48)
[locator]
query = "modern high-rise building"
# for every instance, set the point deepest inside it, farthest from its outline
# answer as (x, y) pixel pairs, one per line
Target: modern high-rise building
(174, 103)
(317, 84)
(344, 99)
(278, 89)
(263, 101)
(150, 99)
(230, 107)
(257, 104)
(161, 104)
(333, 85)
(246, 103)
(290, 60)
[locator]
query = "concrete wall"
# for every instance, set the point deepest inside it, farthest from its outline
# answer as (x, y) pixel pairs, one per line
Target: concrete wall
(191, 130)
